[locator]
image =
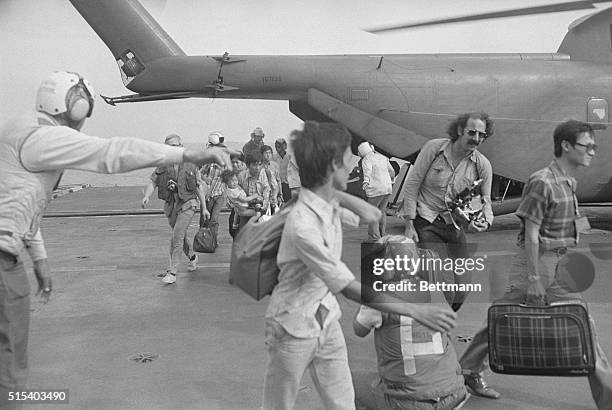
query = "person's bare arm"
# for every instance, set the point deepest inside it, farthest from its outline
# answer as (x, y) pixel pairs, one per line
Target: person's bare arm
(532, 247)
(437, 318)
(366, 212)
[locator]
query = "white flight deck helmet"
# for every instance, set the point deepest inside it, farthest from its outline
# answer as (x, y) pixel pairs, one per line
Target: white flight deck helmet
(214, 138)
(55, 97)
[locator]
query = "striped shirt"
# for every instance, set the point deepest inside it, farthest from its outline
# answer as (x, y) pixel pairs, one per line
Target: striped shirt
(255, 186)
(211, 174)
(549, 200)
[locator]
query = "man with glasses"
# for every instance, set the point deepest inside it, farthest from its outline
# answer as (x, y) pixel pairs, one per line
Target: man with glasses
(550, 224)
(444, 168)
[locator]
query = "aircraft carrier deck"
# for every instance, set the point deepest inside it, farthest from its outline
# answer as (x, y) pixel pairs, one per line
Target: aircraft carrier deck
(108, 306)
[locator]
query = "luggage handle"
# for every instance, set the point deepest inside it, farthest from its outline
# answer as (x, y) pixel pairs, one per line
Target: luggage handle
(508, 316)
(537, 301)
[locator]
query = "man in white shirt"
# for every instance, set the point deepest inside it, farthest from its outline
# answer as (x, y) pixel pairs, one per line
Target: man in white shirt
(35, 149)
(378, 175)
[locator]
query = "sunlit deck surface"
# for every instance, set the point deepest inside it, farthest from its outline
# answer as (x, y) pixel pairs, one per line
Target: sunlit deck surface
(108, 305)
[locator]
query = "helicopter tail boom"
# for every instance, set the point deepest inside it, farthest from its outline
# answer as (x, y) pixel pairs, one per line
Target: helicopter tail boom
(130, 32)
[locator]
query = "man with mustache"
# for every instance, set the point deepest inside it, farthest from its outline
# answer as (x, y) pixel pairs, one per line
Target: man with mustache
(444, 168)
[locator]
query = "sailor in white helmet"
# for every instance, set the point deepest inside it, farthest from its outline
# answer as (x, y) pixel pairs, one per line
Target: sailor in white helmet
(35, 149)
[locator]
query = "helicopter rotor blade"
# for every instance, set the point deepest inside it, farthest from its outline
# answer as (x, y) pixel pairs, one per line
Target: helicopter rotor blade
(551, 8)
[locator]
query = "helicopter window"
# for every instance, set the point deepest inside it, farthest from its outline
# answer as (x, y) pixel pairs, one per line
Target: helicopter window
(360, 94)
(131, 64)
(597, 110)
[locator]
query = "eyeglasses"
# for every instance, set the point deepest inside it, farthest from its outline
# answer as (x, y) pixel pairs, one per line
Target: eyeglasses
(480, 134)
(589, 147)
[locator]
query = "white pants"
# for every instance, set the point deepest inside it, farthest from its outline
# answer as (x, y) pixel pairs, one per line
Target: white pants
(289, 357)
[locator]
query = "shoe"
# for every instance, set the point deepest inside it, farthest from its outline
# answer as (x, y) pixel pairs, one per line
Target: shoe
(193, 263)
(479, 387)
(169, 279)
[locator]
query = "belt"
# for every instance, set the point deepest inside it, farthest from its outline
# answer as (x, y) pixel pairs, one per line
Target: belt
(439, 219)
(560, 251)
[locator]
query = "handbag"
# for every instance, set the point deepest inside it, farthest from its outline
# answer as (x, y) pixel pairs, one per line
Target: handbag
(205, 240)
(253, 265)
(552, 340)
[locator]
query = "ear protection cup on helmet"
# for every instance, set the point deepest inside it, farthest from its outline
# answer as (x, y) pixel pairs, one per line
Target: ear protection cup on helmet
(79, 109)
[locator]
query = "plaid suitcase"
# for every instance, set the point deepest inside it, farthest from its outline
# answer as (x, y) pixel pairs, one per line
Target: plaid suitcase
(552, 340)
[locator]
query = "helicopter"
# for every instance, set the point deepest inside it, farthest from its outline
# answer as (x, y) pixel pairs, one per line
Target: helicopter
(396, 101)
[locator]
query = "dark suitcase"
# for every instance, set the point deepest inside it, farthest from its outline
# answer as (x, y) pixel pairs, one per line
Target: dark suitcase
(551, 340)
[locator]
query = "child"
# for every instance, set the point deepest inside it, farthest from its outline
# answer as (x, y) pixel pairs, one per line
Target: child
(302, 320)
(238, 200)
(273, 173)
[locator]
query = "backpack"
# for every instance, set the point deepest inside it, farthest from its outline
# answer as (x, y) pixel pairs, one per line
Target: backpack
(253, 265)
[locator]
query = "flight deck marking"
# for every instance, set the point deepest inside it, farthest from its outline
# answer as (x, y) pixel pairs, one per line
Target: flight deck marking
(214, 265)
(83, 268)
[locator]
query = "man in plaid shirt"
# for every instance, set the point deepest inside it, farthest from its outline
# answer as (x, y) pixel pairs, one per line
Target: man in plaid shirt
(211, 174)
(550, 223)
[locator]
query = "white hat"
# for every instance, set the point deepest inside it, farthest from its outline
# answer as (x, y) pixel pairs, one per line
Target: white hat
(364, 148)
(214, 138)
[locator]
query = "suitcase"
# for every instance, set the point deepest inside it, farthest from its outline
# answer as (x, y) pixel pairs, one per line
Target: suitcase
(551, 340)
(253, 265)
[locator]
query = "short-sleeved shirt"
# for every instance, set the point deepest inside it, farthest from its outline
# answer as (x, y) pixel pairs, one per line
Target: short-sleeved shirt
(311, 268)
(236, 198)
(549, 200)
(254, 185)
(409, 353)
(282, 162)
(293, 173)
(211, 173)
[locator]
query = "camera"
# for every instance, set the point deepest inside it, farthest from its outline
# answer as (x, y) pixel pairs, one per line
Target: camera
(462, 210)
(256, 203)
(172, 185)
